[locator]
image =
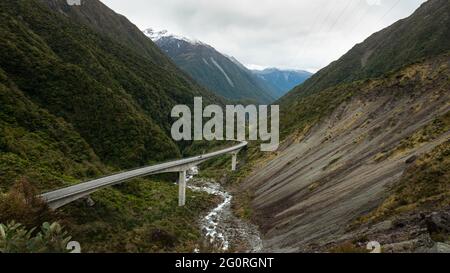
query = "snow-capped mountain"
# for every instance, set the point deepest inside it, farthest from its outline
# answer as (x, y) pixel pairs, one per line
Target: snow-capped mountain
(218, 72)
(282, 81)
(155, 36)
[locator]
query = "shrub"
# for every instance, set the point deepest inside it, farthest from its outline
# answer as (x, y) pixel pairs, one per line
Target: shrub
(21, 204)
(15, 238)
(347, 247)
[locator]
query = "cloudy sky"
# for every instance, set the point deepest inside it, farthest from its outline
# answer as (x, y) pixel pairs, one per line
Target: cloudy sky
(300, 34)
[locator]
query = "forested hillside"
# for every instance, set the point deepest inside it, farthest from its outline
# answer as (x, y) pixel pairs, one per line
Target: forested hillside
(117, 96)
(84, 93)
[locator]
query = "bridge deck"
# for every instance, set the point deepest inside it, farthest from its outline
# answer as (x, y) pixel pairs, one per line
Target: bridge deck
(64, 196)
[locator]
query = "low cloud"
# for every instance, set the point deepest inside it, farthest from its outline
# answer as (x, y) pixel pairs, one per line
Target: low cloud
(301, 34)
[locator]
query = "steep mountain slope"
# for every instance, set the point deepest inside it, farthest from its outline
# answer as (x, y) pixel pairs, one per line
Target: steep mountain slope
(219, 73)
(351, 138)
(38, 145)
(117, 97)
(102, 19)
(282, 81)
(81, 98)
(325, 179)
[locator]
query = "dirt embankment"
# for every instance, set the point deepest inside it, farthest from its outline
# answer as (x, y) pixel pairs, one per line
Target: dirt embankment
(307, 196)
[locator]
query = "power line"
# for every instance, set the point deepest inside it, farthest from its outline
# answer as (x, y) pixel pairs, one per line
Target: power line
(316, 19)
(340, 15)
(337, 20)
(308, 41)
(306, 44)
(362, 15)
(381, 18)
(327, 17)
(389, 11)
(313, 26)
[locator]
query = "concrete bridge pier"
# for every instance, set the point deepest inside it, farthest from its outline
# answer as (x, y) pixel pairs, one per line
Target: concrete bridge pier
(234, 160)
(182, 189)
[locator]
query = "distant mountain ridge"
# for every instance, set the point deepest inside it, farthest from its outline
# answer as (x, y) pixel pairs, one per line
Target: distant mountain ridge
(221, 74)
(282, 80)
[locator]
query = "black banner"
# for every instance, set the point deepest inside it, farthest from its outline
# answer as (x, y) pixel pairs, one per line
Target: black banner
(225, 262)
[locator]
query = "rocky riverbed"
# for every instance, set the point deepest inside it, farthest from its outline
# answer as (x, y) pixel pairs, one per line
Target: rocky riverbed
(222, 229)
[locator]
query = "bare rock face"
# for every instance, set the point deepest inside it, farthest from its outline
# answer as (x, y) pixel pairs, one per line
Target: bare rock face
(411, 160)
(437, 248)
(441, 248)
(410, 246)
(438, 222)
(306, 196)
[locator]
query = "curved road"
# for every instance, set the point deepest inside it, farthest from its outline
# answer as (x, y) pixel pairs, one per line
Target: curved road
(61, 197)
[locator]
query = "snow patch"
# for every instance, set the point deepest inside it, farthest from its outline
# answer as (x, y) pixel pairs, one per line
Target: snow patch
(158, 35)
(223, 72)
(155, 35)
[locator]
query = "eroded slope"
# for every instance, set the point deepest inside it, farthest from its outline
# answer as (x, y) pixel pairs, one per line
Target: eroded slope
(340, 169)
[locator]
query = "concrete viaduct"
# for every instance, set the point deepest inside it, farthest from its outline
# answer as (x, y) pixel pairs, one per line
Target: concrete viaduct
(62, 197)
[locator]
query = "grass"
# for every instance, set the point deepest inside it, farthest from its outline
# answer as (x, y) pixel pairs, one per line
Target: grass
(425, 184)
(140, 216)
(347, 247)
(426, 134)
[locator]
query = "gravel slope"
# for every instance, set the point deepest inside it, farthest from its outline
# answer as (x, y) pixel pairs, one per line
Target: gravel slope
(317, 185)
